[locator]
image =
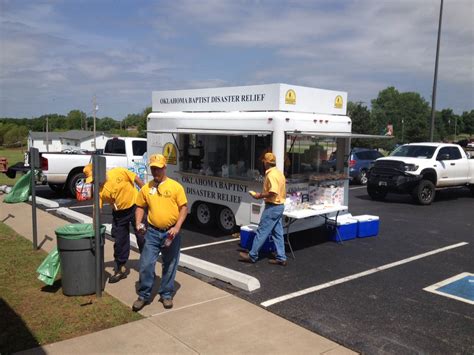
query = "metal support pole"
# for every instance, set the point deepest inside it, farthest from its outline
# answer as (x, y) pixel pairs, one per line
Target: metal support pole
(96, 219)
(433, 103)
(34, 153)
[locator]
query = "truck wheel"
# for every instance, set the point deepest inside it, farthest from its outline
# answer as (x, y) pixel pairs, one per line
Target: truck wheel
(424, 192)
(56, 187)
(72, 182)
(362, 177)
(203, 214)
(472, 189)
(376, 193)
(225, 220)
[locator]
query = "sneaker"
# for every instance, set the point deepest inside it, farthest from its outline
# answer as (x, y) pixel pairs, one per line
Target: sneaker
(167, 302)
(119, 275)
(139, 304)
(245, 257)
(278, 262)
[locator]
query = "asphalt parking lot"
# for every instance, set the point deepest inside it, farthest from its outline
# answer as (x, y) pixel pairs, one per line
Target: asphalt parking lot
(344, 294)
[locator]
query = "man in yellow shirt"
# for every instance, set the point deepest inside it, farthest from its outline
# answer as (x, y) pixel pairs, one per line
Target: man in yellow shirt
(120, 192)
(167, 209)
(274, 194)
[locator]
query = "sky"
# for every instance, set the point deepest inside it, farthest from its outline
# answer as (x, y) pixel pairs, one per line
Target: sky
(56, 55)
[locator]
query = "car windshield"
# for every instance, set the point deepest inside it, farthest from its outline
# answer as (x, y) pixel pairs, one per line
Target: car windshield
(414, 151)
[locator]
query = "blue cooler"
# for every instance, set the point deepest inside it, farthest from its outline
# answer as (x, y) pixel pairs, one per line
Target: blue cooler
(346, 226)
(367, 225)
(247, 234)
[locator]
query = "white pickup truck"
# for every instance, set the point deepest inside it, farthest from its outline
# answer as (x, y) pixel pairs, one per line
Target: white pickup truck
(62, 171)
(419, 169)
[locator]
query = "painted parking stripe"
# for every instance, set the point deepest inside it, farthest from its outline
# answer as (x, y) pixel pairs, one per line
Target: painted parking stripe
(208, 244)
(358, 187)
(466, 277)
(358, 275)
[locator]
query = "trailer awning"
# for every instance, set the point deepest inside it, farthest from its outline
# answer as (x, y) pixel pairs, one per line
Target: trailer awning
(212, 132)
(341, 135)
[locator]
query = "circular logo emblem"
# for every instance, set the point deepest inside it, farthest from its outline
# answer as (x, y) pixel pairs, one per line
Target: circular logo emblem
(338, 101)
(290, 97)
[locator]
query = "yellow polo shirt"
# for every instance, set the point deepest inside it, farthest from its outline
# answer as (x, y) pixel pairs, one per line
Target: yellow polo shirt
(275, 182)
(119, 189)
(163, 202)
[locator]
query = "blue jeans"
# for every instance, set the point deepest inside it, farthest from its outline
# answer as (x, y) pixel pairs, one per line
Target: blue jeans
(270, 224)
(154, 241)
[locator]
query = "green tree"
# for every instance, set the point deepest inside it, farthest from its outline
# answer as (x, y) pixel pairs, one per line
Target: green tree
(468, 122)
(107, 124)
(408, 112)
(361, 123)
(16, 136)
(76, 119)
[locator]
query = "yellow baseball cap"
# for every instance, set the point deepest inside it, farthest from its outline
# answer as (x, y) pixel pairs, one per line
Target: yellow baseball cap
(88, 172)
(157, 160)
(269, 158)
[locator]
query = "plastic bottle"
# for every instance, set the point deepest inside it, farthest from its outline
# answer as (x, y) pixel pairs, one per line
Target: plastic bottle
(168, 240)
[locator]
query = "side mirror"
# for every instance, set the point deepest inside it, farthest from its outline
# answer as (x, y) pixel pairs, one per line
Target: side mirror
(443, 157)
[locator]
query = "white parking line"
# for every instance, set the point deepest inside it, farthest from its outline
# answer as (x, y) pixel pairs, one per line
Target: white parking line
(357, 187)
(356, 276)
(84, 206)
(205, 245)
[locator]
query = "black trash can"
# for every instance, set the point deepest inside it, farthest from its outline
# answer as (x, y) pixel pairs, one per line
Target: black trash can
(76, 246)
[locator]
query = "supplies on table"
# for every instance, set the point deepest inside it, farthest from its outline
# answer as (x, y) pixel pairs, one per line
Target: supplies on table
(247, 235)
(333, 195)
(345, 229)
(367, 225)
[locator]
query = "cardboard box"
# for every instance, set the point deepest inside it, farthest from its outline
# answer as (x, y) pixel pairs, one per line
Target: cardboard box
(247, 234)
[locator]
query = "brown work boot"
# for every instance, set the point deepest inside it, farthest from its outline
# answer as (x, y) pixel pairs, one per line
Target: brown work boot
(245, 257)
(120, 274)
(139, 304)
(167, 302)
(278, 262)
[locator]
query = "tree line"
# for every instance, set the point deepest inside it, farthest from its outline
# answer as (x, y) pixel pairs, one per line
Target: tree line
(407, 112)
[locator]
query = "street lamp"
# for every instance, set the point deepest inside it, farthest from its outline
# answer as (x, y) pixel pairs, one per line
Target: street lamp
(433, 103)
(403, 129)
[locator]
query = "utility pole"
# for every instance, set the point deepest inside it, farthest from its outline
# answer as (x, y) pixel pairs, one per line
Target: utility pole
(433, 99)
(94, 111)
(47, 133)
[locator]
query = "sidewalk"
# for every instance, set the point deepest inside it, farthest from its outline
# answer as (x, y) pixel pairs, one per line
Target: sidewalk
(204, 319)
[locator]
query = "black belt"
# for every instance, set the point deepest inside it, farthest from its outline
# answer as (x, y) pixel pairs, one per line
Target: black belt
(160, 229)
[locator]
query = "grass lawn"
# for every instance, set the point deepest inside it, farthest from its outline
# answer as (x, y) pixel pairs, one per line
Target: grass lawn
(35, 314)
(13, 156)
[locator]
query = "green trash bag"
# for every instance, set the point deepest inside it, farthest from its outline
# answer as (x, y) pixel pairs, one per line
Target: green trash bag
(48, 270)
(78, 231)
(21, 191)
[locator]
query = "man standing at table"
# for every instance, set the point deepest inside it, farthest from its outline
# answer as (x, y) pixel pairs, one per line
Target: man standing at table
(167, 210)
(120, 192)
(274, 194)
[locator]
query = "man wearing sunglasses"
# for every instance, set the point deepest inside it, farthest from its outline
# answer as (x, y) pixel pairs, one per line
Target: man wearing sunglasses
(167, 207)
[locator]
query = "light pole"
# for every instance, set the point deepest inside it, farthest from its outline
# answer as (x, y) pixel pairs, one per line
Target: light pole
(403, 129)
(94, 110)
(433, 99)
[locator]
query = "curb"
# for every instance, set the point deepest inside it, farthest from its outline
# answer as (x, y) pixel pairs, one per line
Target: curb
(45, 202)
(238, 279)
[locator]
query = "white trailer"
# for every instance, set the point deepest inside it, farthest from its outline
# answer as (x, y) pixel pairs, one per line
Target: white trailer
(214, 140)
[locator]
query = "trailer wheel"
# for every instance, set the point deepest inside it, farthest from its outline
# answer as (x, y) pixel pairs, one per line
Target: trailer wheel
(376, 193)
(424, 192)
(225, 220)
(72, 182)
(203, 214)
